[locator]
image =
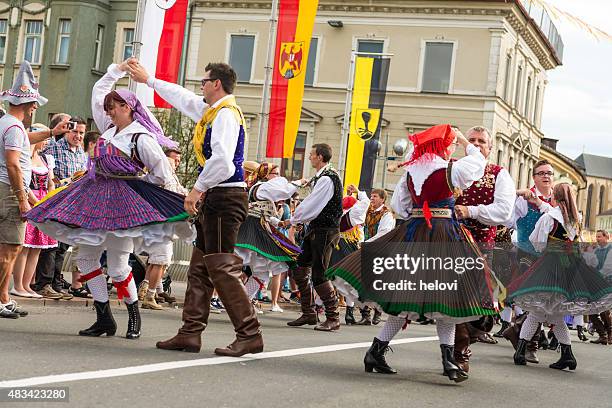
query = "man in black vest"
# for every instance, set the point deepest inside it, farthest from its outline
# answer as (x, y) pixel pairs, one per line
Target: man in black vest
(322, 209)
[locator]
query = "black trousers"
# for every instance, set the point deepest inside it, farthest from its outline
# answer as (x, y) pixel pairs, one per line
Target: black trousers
(316, 252)
(49, 267)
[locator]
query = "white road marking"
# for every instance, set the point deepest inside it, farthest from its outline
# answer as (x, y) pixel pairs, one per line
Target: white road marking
(173, 365)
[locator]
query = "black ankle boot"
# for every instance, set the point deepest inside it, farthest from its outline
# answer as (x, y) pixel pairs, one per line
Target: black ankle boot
(504, 326)
(105, 323)
(374, 359)
(133, 331)
(377, 316)
(349, 317)
(519, 354)
(365, 317)
(553, 343)
(567, 359)
(580, 331)
(450, 366)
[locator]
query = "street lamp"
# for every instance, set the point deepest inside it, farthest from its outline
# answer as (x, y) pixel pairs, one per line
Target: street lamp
(400, 148)
(335, 23)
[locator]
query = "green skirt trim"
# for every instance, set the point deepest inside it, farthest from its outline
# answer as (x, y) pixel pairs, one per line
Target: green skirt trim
(271, 257)
(180, 217)
(397, 308)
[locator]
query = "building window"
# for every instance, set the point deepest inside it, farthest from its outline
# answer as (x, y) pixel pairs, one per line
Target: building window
(602, 200)
(437, 67)
(536, 106)
(530, 174)
(508, 78)
(587, 221)
(311, 67)
(33, 40)
(98, 47)
(63, 41)
(519, 178)
(3, 34)
(517, 89)
(370, 46)
(293, 168)
(375, 47)
(510, 162)
(526, 108)
(242, 48)
(128, 43)
(500, 157)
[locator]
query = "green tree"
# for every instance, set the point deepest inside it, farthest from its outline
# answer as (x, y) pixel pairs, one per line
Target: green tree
(180, 128)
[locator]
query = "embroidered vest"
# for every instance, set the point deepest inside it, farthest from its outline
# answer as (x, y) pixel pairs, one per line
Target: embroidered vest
(437, 187)
(602, 255)
(331, 213)
(481, 192)
(108, 161)
(203, 133)
(525, 225)
(372, 222)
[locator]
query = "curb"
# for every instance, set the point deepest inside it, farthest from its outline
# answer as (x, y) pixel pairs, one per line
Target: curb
(88, 303)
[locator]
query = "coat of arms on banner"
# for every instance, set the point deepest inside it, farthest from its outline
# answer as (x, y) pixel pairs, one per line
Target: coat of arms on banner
(165, 4)
(367, 122)
(290, 63)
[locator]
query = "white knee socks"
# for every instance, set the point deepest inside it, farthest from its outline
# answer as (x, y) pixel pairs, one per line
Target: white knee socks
(560, 329)
(252, 287)
(506, 314)
(96, 285)
(530, 326)
(392, 326)
(98, 289)
(446, 332)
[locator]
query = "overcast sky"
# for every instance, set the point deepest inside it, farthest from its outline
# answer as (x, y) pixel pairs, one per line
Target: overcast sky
(578, 100)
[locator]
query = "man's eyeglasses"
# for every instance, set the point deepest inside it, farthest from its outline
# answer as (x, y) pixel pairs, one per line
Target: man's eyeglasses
(545, 173)
(205, 80)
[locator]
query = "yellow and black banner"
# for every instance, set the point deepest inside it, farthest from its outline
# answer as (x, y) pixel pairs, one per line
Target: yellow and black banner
(369, 89)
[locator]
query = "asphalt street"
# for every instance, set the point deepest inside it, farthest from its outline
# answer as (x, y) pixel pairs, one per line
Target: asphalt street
(299, 367)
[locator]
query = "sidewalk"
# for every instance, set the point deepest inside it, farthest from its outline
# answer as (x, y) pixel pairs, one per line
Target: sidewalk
(178, 290)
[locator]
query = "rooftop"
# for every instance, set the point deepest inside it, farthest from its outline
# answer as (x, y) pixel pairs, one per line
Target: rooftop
(596, 166)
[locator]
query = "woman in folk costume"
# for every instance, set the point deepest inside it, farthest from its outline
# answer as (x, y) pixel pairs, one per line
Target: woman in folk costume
(354, 211)
(426, 196)
(560, 282)
(35, 240)
(117, 205)
(264, 248)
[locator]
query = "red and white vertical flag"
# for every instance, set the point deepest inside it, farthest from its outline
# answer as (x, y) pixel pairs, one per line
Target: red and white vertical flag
(162, 36)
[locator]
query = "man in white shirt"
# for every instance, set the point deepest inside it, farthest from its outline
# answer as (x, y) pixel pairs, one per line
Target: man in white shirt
(15, 175)
(524, 218)
(322, 210)
(221, 191)
(487, 203)
(379, 220)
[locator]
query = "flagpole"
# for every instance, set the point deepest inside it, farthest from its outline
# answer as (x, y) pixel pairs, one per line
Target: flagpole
(265, 100)
(186, 40)
(347, 117)
(137, 43)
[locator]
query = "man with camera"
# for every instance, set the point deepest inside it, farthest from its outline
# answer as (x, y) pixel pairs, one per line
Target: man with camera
(70, 158)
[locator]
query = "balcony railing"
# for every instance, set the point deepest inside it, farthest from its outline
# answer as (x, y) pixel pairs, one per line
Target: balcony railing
(541, 17)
